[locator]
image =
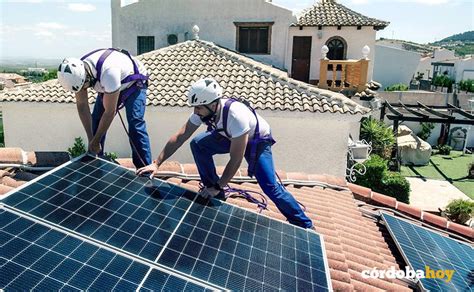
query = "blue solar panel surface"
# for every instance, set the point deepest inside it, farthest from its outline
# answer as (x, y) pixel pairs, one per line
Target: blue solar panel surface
(422, 247)
(37, 257)
(108, 203)
(209, 241)
(240, 250)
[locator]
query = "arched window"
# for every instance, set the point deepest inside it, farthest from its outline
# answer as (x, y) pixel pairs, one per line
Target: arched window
(337, 48)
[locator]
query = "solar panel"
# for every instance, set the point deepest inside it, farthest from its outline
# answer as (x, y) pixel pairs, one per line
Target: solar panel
(171, 228)
(108, 203)
(423, 248)
(240, 250)
(37, 257)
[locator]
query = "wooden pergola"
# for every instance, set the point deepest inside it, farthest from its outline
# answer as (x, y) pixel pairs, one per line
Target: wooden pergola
(400, 112)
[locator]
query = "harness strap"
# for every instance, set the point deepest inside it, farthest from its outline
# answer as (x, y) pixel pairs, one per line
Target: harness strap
(140, 79)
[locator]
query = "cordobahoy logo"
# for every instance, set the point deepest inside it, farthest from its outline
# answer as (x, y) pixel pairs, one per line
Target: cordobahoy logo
(409, 273)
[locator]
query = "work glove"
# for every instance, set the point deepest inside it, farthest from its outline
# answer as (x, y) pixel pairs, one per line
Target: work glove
(209, 192)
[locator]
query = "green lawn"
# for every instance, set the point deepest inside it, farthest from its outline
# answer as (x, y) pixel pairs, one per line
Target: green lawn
(452, 168)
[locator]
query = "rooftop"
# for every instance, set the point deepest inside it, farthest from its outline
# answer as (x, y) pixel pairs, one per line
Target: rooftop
(173, 69)
(354, 240)
(331, 13)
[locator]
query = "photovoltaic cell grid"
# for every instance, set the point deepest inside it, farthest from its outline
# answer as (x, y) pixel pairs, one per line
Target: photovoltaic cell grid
(37, 257)
(240, 250)
(216, 242)
(108, 203)
(422, 247)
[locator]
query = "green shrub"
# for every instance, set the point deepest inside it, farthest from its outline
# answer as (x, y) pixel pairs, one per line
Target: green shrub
(379, 135)
(395, 185)
(379, 179)
(460, 211)
(397, 87)
(467, 85)
(443, 81)
(110, 156)
(78, 148)
(426, 129)
(376, 170)
(470, 173)
(444, 149)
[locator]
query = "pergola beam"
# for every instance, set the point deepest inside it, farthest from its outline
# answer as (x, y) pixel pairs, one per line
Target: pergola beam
(460, 111)
(430, 120)
(393, 110)
(436, 113)
(414, 111)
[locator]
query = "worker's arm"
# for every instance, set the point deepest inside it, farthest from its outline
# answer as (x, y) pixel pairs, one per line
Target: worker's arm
(109, 102)
(83, 110)
(237, 151)
(173, 144)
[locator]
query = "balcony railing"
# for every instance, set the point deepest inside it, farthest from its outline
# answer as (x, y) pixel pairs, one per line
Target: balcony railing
(337, 75)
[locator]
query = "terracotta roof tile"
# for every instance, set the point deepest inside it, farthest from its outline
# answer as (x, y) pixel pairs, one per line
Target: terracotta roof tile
(173, 69)
(353, 242)
(384, 200)
(436, 220)
(331, 13)
(405, 208)
(12, 156)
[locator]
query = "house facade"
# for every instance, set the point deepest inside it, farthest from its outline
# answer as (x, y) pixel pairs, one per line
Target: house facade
(457, 69)
(328, 23)
(256, 28)
(311, 125)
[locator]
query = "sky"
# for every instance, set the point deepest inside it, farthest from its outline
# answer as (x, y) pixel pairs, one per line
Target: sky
(52, 28)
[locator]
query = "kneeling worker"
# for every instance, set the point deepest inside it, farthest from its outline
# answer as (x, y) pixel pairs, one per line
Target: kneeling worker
(234, 128)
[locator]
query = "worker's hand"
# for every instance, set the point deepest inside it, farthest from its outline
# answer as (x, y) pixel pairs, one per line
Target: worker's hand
(150, 169)
(209, 192)
(94, 147)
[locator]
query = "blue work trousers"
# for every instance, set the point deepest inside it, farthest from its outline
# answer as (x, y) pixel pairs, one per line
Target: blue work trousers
(135, 106)
(205, 145)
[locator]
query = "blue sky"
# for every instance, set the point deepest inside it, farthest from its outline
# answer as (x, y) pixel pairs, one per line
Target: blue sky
(52, 28)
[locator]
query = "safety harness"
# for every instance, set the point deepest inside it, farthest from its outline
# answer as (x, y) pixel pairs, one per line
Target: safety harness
(253, 143)
(252, 147)
(141, 80)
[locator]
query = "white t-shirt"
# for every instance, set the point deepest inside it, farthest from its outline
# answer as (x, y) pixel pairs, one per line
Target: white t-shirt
(240, 121)
(115, 68)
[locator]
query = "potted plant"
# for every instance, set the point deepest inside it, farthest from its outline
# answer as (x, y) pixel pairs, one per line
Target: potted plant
(460, 211)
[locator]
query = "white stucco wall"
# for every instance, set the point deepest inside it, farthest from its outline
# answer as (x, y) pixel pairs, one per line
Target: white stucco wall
(312, 143)
(355, 40)
(464, 69)
(215, 18)
(392, 65)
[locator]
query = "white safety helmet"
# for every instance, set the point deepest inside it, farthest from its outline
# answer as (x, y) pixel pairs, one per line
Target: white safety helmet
(72, 74)
(204, 91)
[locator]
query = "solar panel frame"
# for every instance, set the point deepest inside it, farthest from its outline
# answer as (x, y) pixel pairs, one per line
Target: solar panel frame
(177, 272)
(44, 257)
(427, 258)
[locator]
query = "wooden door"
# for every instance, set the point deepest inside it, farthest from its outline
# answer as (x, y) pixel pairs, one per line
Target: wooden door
(301, 58)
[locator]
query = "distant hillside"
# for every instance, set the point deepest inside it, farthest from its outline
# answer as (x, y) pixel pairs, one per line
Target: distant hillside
(462, 43)
(467, 36)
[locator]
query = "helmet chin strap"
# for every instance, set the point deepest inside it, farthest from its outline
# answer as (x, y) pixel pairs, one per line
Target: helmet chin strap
(211, 116)
(90, 77)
